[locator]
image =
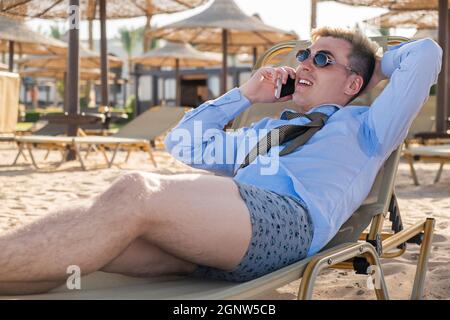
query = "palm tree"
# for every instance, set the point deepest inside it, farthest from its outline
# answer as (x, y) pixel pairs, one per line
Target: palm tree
(56, 31)
(128, 40)
(146, 40)
(148, 43)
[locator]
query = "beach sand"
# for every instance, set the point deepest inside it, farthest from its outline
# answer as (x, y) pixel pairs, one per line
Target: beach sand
(26, 194)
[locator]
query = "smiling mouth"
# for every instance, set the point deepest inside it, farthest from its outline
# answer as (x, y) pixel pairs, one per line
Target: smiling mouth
(303, 83)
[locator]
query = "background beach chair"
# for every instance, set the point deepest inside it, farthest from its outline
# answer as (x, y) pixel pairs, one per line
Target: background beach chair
(135, 135)
(9, 105)
(351, 248)
(52, 125)
(439, 153)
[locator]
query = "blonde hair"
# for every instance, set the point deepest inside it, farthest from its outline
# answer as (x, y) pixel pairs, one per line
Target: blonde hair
(363, 53)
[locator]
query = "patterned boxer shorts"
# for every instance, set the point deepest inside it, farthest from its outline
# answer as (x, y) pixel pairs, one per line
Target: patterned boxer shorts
(282, 231)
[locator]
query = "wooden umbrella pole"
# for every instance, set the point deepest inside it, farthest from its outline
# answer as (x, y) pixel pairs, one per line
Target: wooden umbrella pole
(178, 82)
(73, 60)
(313, 14)
(104, 53)
(255, 55)
(223, 83)
(11, 56)
(442, 98)
(447, 73)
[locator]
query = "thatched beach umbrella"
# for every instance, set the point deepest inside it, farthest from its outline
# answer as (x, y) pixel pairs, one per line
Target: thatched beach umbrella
(419, 19)
(59, 74)
(443, 104)
(16, 36)
(90, 9)
(177, 55)
(115, 9)
(235, 50)
(223, 24)
(394, 4)
(88, 59)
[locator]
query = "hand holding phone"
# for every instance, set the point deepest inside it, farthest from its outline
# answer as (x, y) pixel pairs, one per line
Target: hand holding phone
(284, 90)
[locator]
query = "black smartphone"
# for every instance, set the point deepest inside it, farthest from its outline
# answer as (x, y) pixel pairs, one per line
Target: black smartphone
(285, 89)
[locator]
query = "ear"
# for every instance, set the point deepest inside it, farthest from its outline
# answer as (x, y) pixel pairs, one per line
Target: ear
(353, 85)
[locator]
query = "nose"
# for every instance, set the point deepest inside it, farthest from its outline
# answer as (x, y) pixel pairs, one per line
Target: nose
(306, 65)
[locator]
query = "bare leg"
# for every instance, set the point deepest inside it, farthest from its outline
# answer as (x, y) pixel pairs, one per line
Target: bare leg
(195, 218)
(89, 237)
(142, 259)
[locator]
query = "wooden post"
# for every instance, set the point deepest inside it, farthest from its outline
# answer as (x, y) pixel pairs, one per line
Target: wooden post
(177, 83)
(137, 76)
(223, 83)
(442, 91)
(11, 56)
(104, 54)
(313, 14)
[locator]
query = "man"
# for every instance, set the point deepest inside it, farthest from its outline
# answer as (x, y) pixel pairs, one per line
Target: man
(260, 220)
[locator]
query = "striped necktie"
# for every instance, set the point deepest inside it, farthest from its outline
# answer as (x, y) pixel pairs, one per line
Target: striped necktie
(297, 134)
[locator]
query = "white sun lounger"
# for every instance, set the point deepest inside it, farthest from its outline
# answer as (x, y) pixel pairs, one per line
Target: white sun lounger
(431, 153)
(65, 144)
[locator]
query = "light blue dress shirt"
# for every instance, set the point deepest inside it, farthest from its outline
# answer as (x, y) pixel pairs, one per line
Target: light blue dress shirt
(334, 171)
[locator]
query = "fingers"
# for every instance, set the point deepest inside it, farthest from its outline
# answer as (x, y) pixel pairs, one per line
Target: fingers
(273, 74)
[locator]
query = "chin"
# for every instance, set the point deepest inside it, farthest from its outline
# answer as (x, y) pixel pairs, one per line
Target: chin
(300, 103)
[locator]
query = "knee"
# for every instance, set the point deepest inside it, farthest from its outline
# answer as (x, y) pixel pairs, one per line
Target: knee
(132, 184)
(130, 190)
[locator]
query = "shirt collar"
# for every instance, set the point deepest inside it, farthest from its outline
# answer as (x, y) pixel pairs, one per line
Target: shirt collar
(327, 108)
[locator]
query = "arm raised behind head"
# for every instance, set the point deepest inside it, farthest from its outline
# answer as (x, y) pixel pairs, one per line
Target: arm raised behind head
(412, 68)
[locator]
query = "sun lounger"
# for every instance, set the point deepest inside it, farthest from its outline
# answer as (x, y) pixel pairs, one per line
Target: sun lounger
(65, 144)
(344, 251)
(351, 248)
(7, 137)
(136, 135)
(431, 153)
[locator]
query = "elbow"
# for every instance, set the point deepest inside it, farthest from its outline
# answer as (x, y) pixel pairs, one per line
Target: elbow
(433, 53)
(182, 148)
(168, 142)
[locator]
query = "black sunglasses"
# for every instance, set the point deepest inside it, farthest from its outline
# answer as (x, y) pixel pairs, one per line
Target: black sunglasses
(321, 59)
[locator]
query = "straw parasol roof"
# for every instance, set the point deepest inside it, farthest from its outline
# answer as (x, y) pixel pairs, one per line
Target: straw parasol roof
(186, 55)
(92, 9)
(225, 25)
(26, 40)
(395, 5)
(59, 74)
(236, 49)
(116, 9)
(206, 28)
(420, 19)
(88, 59)
(232, 49)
